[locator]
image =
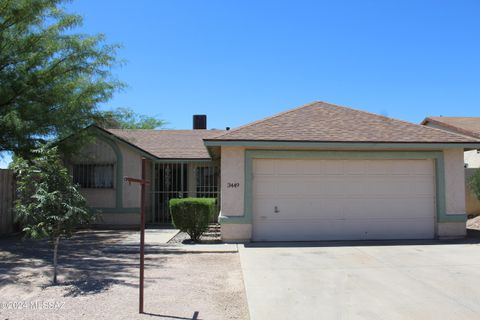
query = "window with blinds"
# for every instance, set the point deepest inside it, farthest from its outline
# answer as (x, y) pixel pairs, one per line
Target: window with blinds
(94, 176)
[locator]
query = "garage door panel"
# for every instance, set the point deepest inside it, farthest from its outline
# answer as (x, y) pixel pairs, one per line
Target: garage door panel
(423, 187)
(287, 230)
(284, 167)
(420, 167)
(332, 168)
(343, 199)
(340, 230)
(354, 167)
(263, 168)
(297, 208)
(393, 207)
(394, 229)
(378, 167)
(303, 208)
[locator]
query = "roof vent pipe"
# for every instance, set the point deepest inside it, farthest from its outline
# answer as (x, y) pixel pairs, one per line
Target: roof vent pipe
(199, 122)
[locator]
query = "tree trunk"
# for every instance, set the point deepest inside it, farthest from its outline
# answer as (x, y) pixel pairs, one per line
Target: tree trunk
(55, 251)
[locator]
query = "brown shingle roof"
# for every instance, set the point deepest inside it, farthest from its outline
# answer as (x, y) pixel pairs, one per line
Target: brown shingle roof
(469, 126)
(169, 144)
(324, 122)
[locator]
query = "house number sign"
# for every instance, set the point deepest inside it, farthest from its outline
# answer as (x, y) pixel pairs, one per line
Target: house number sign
(233, 184)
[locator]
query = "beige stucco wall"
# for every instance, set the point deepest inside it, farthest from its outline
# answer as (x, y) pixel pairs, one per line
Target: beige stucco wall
(448, 230)
(454, 181)
(233, 161)
(118, 219)
(99, 198)
(101, 152)
(132, 167)
(236, 232)
(232, 172)
(98, 151)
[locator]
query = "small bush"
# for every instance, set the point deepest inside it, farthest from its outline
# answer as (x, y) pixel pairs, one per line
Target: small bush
(192, 215)
(474, 183)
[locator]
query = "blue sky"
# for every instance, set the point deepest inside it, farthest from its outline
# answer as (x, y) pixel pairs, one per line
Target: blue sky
(238, 61)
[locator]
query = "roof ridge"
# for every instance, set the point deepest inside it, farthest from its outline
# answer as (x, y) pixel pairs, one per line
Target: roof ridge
(451, 117)
(225, 135)
(399, 120)
(459, 131)
(268, 118)
(350, 119)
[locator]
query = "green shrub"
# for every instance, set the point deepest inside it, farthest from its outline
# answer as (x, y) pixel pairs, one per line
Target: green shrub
(474, 183)
(192, 215)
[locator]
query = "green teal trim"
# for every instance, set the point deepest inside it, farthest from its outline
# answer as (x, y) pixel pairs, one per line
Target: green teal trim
(440, 187)
(453, 218)
(119, 170)
(344, 145)
(117, 210)
(250, 155)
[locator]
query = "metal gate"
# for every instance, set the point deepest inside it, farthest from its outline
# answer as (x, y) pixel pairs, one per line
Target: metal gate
(182, 180)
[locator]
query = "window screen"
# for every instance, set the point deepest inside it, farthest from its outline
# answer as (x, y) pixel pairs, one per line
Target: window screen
(93, 175)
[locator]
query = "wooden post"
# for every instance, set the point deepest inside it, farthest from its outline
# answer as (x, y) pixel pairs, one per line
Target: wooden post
(142, 183)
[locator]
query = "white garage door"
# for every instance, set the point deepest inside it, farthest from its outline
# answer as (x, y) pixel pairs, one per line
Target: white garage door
(295, 200)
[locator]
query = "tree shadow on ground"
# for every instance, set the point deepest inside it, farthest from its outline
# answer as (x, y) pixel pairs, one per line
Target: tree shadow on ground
(85, 264)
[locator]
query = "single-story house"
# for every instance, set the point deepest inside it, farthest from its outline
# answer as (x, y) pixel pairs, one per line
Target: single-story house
(469, 126)
(316, 172)
(178, 165)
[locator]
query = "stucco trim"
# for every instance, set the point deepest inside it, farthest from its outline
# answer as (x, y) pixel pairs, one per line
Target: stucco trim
(437, 156)
(342, 145)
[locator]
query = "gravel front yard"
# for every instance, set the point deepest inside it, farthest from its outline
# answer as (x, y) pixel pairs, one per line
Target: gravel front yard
(212, 235)
(96, 284)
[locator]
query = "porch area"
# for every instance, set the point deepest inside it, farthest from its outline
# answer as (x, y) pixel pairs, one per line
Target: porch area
(180, 179)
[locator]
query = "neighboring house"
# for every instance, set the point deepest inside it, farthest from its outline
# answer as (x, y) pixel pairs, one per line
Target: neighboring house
(325, 172)
(317, 172)
(469, 126)
(178, 165)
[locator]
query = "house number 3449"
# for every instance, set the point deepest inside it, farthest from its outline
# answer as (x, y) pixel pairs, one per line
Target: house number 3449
(233, 184)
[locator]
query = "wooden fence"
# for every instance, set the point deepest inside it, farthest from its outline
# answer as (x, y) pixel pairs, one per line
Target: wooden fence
(7, 194)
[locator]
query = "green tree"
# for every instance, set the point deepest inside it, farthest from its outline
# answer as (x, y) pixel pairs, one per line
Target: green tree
(51, 78)
(48, 204)
(125, 118)
(474, 183)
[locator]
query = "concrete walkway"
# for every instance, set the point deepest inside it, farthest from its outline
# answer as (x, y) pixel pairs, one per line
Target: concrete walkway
(152, 236)
(156, 242)
(423, 280)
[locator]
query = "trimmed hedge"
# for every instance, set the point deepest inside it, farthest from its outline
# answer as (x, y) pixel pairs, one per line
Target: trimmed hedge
(192, 215)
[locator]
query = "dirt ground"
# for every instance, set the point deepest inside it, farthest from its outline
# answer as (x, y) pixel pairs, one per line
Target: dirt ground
(97, 284)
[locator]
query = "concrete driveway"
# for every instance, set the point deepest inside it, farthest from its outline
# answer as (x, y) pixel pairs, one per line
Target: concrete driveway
(404, 280)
